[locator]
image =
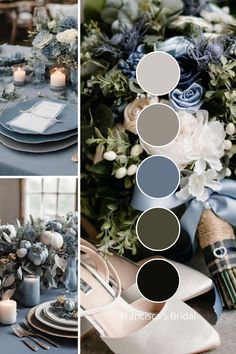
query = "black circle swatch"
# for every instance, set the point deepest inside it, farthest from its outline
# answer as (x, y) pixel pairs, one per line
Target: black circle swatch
(157, 280)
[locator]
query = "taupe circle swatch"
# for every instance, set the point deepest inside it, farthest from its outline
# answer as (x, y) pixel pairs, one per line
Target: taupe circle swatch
(158, 229)
(158, 73)
(158, 124)
(157, 280)
(157, 176)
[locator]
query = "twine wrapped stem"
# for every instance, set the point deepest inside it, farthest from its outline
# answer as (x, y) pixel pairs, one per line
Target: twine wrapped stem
(217, 240)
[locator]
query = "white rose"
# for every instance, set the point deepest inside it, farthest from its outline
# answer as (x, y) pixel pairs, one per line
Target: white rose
(67, 36)
(133, 109)
(198, 140)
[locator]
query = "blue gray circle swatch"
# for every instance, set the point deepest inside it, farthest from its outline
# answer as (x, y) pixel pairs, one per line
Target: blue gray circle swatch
(158, 73)
(158, 124)
(158, 229)
(157, 280)
(158, 176)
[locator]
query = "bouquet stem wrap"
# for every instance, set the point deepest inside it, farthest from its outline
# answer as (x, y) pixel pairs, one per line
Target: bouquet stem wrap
(217, 241)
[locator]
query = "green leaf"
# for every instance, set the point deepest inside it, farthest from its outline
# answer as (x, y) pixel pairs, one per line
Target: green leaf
(101, 168)
(103, 117)
(8, 294)
(134, 86)
(8, 281)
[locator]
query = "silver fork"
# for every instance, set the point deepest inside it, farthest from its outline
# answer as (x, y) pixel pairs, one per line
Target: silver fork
(26, 342)
(32, 333)
(22, 331)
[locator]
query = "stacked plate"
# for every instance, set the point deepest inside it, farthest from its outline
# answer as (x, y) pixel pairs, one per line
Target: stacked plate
(42, 318)
(57, 137)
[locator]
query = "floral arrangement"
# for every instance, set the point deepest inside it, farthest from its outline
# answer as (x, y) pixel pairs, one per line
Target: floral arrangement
(37, 247)
(201, 36)
(66, 308)
(56, 41)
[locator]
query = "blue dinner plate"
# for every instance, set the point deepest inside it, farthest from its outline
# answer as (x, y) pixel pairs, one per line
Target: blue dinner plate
(36, 139)
(68, 116)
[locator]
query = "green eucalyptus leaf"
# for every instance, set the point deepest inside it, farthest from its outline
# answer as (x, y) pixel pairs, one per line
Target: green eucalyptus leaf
(101, 168)
(8, 281)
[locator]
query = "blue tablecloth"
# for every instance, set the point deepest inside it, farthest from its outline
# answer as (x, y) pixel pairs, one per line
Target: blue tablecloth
(10, 344)
(15, 163)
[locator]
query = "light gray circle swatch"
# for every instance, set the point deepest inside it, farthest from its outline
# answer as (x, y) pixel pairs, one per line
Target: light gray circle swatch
(158, 124)
(157, 176)
(158, 73)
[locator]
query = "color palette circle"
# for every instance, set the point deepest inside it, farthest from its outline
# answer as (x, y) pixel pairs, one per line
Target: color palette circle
(158, 124)
(157, 280)
(158, 73)
(157, 176)
(158, 229)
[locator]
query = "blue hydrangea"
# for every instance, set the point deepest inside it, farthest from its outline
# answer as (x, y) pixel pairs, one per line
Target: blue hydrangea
(68, 23)
(129, 66)
(52, 50)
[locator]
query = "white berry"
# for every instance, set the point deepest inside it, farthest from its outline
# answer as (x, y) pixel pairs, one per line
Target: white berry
(228, 172)
(109, 155)
(230, 129)
(136, 150)
(227, 145)
(132, 170)
(121, 172)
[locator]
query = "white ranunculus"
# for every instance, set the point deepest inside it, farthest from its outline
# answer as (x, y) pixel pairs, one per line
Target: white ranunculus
(198, 184)
(68, 36)
(198, 140)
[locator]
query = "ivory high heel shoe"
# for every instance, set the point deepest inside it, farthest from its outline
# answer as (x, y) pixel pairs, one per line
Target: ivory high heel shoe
(144, 327)
(192, 282)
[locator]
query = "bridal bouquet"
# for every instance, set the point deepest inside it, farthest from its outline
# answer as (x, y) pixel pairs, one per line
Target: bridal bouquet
(42, 247)
(202, 38)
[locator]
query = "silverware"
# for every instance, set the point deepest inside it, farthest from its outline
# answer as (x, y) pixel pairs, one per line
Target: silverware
(23, 333)
(33, 333)
(27, 342)
(30, 345)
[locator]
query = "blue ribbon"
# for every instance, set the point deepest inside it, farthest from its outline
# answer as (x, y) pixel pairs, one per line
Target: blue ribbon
(223, 204)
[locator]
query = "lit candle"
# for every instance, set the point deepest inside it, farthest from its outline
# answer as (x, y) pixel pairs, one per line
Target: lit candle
(7, 312)
(19, 76)
(58, 78)
(31, 290)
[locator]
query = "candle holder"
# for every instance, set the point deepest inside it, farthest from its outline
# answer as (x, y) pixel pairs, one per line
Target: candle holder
(58, 78)
(19, 74)
(31, 290)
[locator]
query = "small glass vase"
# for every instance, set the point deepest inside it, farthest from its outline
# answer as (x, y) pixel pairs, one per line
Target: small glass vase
(71, 277)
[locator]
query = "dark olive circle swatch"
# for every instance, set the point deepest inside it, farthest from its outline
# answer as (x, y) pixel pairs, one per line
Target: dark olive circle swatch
(157, 280)
(158, 176)
(158, 124)
(158, 73)
(158, 229)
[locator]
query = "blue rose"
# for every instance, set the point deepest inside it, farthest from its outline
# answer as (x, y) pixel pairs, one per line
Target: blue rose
(189, 71)
(175, 46)
(189, 99)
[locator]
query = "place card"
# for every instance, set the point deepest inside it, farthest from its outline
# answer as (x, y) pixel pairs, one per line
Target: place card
(39, 117)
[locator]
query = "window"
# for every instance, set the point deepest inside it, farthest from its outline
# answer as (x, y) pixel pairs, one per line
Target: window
(48, 197)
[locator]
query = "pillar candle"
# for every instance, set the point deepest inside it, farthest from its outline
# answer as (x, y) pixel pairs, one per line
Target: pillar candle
(7, 312)
(31, 290)
(58, 78)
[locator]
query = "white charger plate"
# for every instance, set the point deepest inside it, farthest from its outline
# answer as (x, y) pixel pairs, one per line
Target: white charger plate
(40, 316)
(45, 329)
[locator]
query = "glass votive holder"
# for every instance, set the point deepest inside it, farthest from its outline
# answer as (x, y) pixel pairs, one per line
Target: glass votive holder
(31, 290)
(19, 74)
(58, 78)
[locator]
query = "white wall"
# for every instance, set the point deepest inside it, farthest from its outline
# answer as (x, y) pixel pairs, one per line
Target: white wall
(9, 200)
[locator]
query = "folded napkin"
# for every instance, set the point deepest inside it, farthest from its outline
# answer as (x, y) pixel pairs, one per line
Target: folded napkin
(39, 117)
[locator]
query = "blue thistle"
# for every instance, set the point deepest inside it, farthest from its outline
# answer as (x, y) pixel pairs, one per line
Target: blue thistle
(68, 23)
(205, 52)
(128, 67)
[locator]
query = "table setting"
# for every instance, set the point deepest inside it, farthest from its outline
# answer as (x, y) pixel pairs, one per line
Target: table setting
(38, 285)
(44, 75)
